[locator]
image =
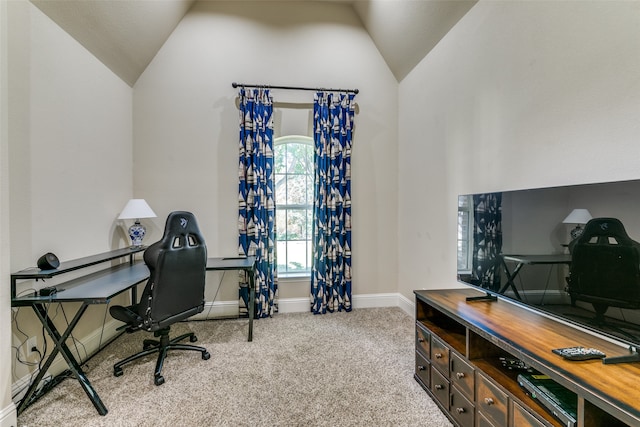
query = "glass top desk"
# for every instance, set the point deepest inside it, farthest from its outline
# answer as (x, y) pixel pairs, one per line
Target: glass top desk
(98, 288)
(522, 260)
(246, 264)
(93, 288)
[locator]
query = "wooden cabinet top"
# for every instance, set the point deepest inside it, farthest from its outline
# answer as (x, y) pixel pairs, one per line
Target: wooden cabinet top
(531, 335)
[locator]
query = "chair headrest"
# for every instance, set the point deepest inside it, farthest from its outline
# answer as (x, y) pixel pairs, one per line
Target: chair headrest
(181, 223)
(604, 227)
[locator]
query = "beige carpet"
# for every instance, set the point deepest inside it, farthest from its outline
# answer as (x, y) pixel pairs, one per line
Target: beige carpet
(349, 369)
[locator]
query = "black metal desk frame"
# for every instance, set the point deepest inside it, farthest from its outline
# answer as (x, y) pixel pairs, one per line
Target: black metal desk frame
(99, 288)
(247, 264)
(94, 288)
(522, 260)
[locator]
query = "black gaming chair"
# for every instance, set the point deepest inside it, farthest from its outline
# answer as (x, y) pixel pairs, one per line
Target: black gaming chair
(174, 291)
(605, 268)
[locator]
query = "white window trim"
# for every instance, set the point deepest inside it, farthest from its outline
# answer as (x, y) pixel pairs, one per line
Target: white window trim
(469, 239)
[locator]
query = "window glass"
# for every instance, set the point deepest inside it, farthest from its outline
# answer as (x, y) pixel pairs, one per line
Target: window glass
(294, 204)
(465, 236)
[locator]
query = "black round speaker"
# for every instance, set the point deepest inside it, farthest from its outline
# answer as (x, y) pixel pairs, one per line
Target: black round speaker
(48, 261)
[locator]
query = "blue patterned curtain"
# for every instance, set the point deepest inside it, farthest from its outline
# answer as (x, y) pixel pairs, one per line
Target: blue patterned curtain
(331, 269)
(487, 239)
(256, 213)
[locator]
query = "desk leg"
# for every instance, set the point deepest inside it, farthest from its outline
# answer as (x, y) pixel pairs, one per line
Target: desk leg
(61, 346)
(510, 277)
(252, 301)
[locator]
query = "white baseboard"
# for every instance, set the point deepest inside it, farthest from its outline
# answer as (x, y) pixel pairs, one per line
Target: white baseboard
(376, 300)
(294, 305)
(407, 305)
(9, 416)
(301, 305)
(217, 309)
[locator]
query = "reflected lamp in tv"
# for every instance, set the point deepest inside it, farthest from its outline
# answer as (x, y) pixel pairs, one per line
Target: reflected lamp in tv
(578, 217)
(136, 209)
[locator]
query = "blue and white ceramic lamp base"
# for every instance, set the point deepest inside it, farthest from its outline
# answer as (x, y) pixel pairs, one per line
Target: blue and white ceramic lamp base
(137, 232)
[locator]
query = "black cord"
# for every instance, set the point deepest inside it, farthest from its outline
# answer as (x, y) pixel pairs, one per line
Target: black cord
(73, 339)
(216, 294)
(104, 321)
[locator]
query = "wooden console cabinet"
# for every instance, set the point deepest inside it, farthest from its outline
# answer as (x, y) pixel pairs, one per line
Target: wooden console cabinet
(459, 346)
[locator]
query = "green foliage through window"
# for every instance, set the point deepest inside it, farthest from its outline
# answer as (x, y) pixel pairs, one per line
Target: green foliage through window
(294, 203)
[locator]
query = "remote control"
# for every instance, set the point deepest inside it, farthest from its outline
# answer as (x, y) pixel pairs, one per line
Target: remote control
(515, 364)
(579, 353)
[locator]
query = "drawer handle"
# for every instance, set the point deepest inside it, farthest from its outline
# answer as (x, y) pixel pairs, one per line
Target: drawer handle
(421, 368)
(460, 375)
(488, 401)
(438, 355)
(438, 386)
(460, 410)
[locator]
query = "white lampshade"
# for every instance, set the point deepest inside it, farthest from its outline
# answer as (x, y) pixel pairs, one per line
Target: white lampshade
(136, 209)
(578, 216)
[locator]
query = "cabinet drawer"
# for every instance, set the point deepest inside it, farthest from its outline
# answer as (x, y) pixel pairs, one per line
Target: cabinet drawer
(422, 340)
(463, 376)
(440, 387)
(522, 418)
(484, 422)
(440, 355)
(491, 401)
(423, 369)
(461, 409)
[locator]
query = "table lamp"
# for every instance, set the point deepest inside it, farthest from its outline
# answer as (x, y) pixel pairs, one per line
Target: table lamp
(137, 208)
(578, 217)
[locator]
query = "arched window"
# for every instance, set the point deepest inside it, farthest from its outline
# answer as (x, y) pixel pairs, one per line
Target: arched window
(294, 204)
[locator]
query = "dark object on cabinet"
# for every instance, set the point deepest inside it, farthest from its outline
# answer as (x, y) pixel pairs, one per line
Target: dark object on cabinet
(174, 291)
(605, 268)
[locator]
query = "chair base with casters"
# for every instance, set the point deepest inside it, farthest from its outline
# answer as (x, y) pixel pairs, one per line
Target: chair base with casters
(162, 347)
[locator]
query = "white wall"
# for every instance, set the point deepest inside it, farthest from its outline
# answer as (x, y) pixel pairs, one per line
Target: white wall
(186, 120)
(70, 158)
(7, 409)
(517, 95)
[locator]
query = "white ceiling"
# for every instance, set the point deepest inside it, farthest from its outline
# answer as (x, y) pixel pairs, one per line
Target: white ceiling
(126, 34)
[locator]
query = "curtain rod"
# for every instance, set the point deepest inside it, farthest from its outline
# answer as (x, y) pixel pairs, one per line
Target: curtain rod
(234, 84)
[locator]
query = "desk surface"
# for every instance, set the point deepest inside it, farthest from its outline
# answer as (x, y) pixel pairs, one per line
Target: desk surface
(101, 286)
(76, 264)
(231, 263)
(539, 259)
(94, 288)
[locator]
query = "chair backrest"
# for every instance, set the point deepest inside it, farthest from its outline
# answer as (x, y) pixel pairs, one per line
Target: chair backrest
(605, 265)
(177, 265)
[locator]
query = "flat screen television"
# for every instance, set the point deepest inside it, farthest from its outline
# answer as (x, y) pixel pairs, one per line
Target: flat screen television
(532, 242)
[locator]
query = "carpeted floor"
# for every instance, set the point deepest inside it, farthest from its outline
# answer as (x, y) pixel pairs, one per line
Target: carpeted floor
(349, 369)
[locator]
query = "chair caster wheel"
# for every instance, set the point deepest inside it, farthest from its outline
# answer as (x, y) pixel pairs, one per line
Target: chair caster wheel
(206, 355)
(159, 380)
(193, 338)
(117, 372)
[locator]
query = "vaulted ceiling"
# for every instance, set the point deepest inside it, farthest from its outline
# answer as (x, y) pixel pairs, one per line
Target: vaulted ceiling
(126, 34)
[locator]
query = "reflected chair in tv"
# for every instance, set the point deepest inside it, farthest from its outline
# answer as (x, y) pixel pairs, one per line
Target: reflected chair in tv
(174, 291)
(605, 268)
